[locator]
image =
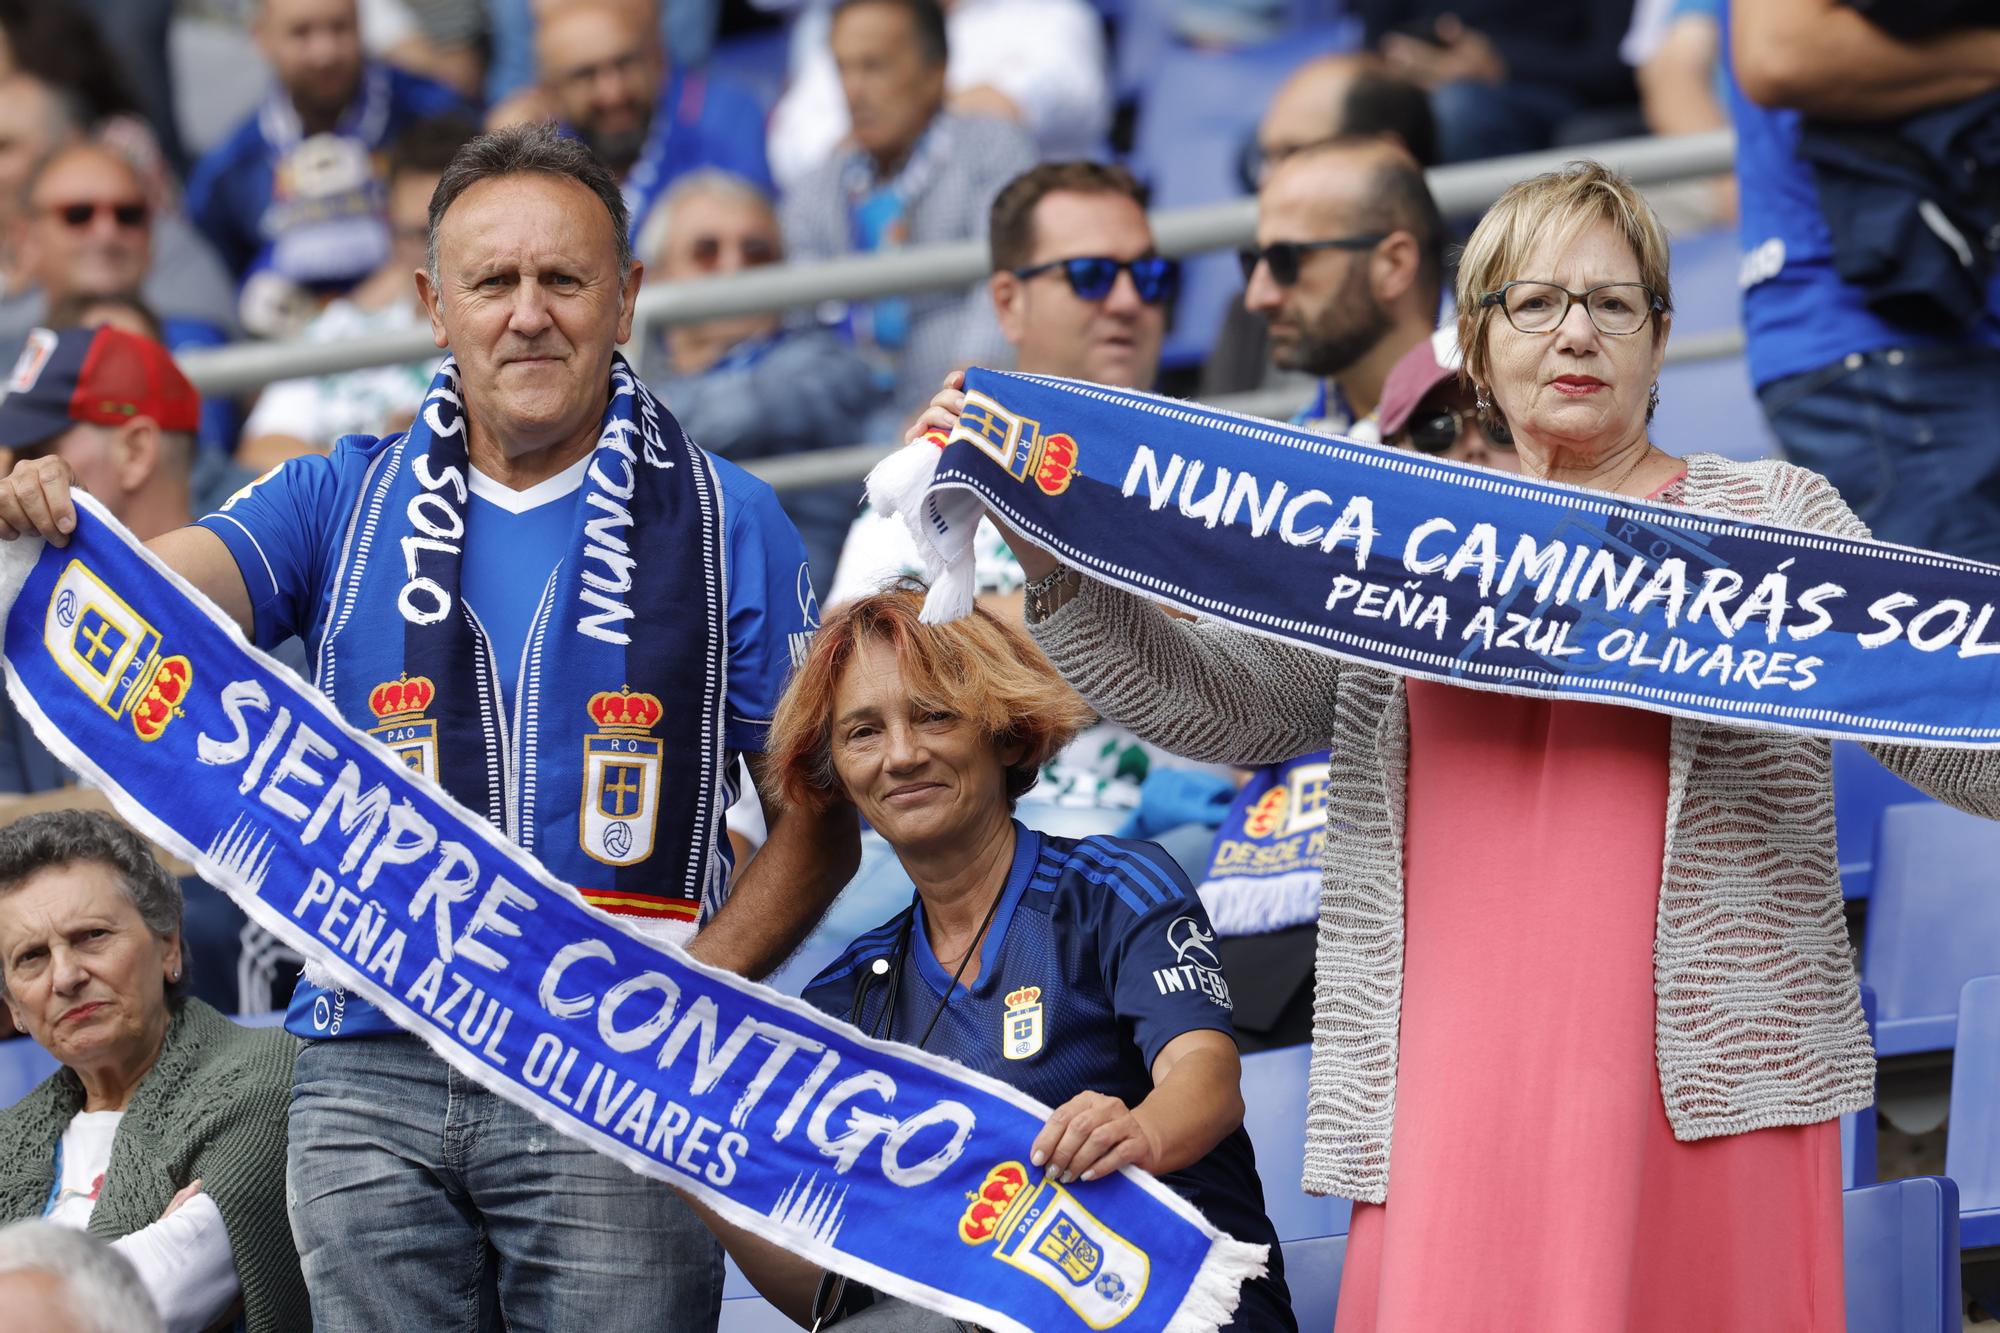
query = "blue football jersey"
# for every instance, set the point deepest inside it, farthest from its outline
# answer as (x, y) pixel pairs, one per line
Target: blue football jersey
(1099, 955)
(286, 530)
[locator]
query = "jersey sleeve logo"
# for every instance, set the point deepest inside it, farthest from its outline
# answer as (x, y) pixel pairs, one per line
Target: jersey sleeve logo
(1197, 968)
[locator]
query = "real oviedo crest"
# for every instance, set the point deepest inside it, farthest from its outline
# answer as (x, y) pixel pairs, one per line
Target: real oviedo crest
(113, 653)
(621, 777)
(400, 706)
(1017, 443)
(1021, 1025)
(1037, 1226)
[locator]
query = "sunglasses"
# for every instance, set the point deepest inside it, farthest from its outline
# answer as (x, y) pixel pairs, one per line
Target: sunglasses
(707, 251)
(1436, 432)
(1284, 257)
(82, 215)
(1091, 277)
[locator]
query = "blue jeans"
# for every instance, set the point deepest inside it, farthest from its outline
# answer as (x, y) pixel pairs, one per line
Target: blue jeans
(419, 1200)
(1909, 437)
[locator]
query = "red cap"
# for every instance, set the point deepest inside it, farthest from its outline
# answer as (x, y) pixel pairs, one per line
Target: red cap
(102, 376)
(1424, 367)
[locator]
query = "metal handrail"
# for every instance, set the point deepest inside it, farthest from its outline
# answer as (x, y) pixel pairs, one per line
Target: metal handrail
(1460, 189)
(830, 467)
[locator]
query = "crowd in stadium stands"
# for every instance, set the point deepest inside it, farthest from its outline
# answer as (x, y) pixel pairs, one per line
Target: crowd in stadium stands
(181, 175)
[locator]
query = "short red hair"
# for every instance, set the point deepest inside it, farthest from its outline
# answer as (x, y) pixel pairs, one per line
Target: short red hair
(978, 667)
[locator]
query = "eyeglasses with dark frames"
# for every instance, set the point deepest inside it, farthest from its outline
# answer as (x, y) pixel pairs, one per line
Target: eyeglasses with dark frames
(706, 251)
(1614, 308)
(1155, 277)
(1284, 257)
(81, 214)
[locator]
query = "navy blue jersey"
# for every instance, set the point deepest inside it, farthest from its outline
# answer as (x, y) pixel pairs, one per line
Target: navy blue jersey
(1099, 955)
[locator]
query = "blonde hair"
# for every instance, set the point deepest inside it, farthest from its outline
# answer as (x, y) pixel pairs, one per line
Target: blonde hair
(979, 667)
(1559, 207)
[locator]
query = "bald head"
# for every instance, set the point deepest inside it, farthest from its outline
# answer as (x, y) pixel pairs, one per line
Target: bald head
(1340, 96)
(1307, 106)
(601, 66)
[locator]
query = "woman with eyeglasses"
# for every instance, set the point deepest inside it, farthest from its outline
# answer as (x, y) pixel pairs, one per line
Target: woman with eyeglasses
(1587, 1012)
(1032, 958)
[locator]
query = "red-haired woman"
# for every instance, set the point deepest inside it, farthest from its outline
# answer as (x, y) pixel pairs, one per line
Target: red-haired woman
(1034, 959)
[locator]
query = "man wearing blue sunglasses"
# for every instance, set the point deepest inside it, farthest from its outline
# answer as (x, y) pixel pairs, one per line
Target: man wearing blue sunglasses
(1077, 284)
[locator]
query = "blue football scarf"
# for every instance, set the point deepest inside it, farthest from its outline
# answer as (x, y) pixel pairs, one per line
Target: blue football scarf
(1264, 870)
(875, 1159)
(1456, 573)
(608, 766)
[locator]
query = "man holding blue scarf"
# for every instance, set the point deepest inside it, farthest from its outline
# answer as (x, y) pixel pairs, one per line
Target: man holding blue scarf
(548, 600)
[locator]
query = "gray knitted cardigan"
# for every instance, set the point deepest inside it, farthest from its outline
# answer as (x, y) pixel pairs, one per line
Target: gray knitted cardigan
(212, 1106)
(1757, 1015)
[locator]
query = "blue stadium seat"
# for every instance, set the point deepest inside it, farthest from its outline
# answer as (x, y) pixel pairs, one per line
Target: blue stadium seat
(1862, 790)
(1274, 1098)
(1972, 1150)
(1902, 1257)
(1707, 295)
(756, 60)
(1933, 921)
(22, 1065)
(1857, 1128)
(1312, 1271)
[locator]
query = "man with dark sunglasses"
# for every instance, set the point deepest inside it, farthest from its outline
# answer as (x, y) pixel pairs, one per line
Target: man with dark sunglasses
(1347, 271)
(88, 231)
(1081, 292)
(1077, 283)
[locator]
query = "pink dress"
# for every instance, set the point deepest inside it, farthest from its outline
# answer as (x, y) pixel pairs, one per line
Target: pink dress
(1535, 1185)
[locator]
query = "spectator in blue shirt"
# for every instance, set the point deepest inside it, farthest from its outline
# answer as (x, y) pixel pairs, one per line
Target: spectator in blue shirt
(1898, 415)
(293, 193)
(752, 386)
(399, 1172)
(1081, 971)
(606, 77)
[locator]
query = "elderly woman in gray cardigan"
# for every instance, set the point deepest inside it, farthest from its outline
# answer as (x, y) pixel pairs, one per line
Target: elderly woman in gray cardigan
(1586, 1011)
(164, 1132)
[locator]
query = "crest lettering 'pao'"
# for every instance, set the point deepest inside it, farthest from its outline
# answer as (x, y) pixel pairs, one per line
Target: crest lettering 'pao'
(1042, 1230)
(400, 706)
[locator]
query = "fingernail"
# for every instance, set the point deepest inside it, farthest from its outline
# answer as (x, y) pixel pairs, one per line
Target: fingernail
(1090, 1174)
(65, 523)
(1037, 1158)
(1069, 1178)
